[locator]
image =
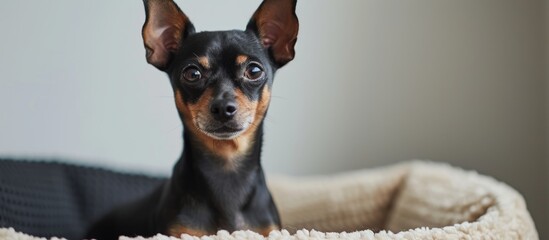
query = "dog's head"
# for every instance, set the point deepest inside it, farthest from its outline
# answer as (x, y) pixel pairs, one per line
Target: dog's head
(221, 80)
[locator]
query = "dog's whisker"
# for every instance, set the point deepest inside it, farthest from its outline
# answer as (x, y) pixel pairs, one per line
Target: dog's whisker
(163, 96)
(278, 97)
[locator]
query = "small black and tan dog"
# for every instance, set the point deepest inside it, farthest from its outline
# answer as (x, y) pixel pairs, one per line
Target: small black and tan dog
(222, 86)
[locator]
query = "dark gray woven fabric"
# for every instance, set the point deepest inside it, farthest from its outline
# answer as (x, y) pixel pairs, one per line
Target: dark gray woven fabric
(46, 199)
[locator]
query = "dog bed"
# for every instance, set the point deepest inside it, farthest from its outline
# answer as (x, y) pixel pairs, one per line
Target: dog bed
(414, 200)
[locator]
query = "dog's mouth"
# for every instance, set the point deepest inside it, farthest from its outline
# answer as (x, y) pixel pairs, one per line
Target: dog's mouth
(223, 131)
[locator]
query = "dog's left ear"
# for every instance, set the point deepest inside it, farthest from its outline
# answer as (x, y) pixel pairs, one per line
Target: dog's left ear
(276, 24)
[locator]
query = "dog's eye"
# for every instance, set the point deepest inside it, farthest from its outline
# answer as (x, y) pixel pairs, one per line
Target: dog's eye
(254, 71)
(192, 74)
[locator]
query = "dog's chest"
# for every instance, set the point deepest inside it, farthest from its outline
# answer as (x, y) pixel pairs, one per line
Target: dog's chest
(240, 222)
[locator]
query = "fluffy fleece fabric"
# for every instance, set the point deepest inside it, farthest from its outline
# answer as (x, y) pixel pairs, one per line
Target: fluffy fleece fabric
(414, 200)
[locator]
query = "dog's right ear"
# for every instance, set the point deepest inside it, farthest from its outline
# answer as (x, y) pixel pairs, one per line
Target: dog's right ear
(164, 29)
(276, 24)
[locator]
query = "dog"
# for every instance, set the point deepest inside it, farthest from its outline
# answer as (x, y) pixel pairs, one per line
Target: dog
(222, 85)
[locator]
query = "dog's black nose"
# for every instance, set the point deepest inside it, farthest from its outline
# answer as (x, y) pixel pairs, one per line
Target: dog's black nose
(223, 110)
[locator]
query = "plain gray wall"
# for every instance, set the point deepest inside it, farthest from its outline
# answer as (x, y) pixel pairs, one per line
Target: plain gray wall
(373, 83)
(546, 28)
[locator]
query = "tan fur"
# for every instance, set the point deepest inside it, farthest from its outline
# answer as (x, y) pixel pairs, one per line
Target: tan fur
(230, 150)
(241, 59)
(266, 230)
(177, 229)
(205, 62)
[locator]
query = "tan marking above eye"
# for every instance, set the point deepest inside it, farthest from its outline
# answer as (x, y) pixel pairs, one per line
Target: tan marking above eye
(241, 59)
(204, 61)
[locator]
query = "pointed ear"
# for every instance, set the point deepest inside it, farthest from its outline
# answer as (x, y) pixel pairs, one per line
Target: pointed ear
(276, 24)
(165, 26)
